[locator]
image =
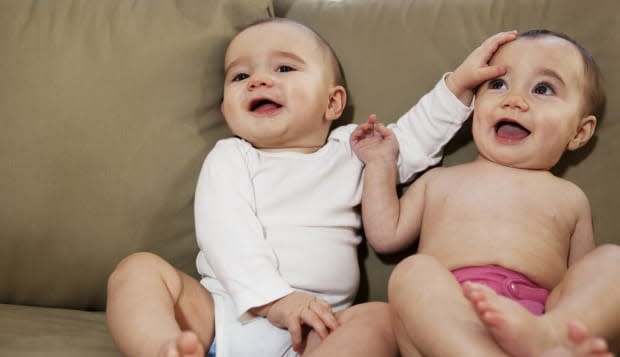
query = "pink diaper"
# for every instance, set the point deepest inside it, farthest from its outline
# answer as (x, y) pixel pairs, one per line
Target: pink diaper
(508, 283)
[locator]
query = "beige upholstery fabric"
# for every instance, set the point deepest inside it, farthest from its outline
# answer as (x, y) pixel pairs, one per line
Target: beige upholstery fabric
(394, 51)
(108, 109)
(40, 331)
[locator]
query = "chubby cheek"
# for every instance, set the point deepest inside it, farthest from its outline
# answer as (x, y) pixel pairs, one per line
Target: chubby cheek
(482, 132)
(295, 95)
(231, 116)
(231, 104)
(482, 107)
(311, 93)
(478, 124)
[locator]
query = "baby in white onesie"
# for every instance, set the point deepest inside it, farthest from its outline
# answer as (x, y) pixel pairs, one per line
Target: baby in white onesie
(276, 212)
(290, 193)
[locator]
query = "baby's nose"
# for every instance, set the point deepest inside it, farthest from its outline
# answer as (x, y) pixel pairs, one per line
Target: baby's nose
(515, 101)
(257, 81)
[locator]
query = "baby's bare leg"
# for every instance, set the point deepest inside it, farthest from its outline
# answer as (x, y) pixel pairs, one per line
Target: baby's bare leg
(581, 308)
(150, 303)
(589, 293)
(521, 334)
(580, 343)
(365, 330)
(515, 329)
(433, 318)
(186, 344)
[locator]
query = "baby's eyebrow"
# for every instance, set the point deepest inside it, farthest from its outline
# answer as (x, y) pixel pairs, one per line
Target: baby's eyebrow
(277, 54)
(235, 62)
(551, 73)
(289, 55)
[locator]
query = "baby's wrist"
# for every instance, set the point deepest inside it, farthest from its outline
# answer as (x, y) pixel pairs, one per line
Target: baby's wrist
(261, 310)
(381, 163)
(463, 93)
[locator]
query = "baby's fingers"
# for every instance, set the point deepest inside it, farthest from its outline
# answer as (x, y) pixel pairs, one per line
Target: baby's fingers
(308, 318)
(324, 311)
(498, 39)
(364, 130)
(491, 44)
(372, 119)
(314, 321)
(490, 72)
(294, 329)
(369, 125)
(358, 134)
(383, 130)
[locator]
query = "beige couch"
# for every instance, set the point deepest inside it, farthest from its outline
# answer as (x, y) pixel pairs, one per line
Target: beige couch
(107, 109)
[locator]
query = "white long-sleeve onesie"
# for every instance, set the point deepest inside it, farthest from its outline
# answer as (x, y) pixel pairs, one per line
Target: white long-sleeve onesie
(268, 223)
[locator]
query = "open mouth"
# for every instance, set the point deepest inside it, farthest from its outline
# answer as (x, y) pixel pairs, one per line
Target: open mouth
(510, 130)
(264, 105)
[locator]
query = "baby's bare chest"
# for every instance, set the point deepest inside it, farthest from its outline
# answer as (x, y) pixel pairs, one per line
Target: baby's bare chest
(508, 222)
(527, 199)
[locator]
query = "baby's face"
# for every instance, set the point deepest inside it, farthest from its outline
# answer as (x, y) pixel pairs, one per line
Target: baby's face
(528, 117)
(277, 87)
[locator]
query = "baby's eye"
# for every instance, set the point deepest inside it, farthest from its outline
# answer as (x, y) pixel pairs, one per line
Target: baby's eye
(497, 84)
(240, 77)
(285, 68)
(543, 89)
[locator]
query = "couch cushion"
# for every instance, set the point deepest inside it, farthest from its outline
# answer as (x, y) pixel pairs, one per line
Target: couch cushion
(107, 109)
(394, 51)
(36, 331)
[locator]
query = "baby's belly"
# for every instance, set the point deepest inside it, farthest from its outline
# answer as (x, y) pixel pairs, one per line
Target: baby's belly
(540, 266)
(322, 260)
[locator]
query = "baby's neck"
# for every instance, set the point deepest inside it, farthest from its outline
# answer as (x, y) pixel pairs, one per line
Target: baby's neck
(485, 162)
(299, 149)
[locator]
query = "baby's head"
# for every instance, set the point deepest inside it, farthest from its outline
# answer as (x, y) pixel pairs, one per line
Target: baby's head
(283, 87)
(548, 101)
(594, 95)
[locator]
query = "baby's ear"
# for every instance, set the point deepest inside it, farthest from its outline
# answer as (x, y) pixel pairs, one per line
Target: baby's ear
(336, 104)
(584, 133)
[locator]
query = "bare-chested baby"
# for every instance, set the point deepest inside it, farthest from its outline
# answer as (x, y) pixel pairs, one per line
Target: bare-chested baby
(507, 262)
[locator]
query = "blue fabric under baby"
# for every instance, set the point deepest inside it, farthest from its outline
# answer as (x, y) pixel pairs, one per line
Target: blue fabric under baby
(211, 352)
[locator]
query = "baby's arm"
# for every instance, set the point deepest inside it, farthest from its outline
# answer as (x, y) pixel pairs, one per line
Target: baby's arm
(232, 245)
(231, 238)
(432, 122)
(377, 147)
(476, 70)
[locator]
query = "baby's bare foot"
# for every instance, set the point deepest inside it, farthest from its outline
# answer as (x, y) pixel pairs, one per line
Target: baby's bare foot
(186, 344)
(580, 344)
(516, 330)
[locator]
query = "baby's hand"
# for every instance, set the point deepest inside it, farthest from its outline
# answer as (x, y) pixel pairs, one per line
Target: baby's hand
(476, 70)
(372, 141)
(297, 309)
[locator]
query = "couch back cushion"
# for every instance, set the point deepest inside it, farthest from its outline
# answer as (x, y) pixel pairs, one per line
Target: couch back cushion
(107, 109)
(394, 51)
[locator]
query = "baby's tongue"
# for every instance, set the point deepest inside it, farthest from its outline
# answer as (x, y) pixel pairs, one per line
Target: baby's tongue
(266, 108)
(512, 131)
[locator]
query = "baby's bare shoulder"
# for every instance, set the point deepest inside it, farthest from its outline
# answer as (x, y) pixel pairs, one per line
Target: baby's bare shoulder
(432, 175)
(440, 178)
(571, 191)
(448, 172)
